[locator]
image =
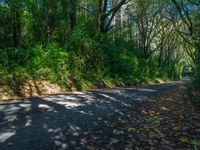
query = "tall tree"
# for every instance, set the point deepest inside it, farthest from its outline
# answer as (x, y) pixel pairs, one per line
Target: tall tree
(150, 22)
(73, 13)
(15, 7)
(107, 12)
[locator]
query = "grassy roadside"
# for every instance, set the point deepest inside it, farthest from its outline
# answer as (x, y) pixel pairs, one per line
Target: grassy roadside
(45, 88)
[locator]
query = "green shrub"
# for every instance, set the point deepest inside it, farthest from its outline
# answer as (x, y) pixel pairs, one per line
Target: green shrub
(149, 68)
(13, 57)
(120, 62)
(127, 64)
(84, 86)
(49, 63)
(86, 54)
(196, 82)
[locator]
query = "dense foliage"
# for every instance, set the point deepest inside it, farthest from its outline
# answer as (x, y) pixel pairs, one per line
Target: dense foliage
(189, 12)
(88, 42)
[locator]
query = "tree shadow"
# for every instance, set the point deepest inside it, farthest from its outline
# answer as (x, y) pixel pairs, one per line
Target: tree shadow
(84, 120)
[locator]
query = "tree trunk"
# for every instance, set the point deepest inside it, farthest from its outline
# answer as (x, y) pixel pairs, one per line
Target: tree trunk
(16, 27)
(72, 15)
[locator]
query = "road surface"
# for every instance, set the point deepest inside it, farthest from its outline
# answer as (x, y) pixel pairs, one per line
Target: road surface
(83, 120)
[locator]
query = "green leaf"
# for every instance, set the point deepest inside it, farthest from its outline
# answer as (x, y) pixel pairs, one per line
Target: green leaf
(131, 130)
(194, 142)
(184, 140)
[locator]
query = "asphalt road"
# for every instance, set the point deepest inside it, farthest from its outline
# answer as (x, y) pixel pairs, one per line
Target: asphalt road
(83, 120)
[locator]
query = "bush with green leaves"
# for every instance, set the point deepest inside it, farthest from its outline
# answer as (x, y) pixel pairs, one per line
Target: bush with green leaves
(86, 54)
(126, 64)
(12, 57)
(49, 63)
(196, 82)
(148, 68)
(19, 66)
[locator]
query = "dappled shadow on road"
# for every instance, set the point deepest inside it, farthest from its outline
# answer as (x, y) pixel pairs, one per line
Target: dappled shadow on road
(85, 120)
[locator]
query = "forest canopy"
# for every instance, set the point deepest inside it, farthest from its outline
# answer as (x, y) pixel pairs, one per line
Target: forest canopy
(80, 44)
